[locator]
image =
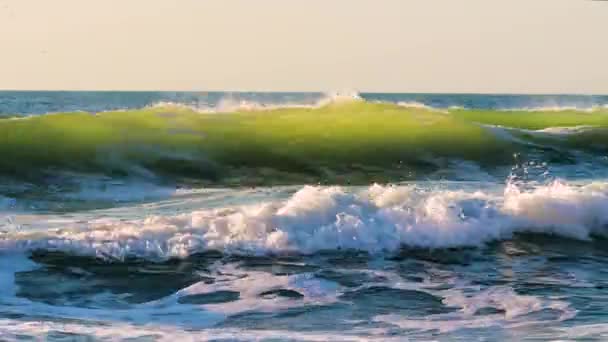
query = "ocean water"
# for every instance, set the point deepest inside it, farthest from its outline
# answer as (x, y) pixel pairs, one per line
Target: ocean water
(303, 217)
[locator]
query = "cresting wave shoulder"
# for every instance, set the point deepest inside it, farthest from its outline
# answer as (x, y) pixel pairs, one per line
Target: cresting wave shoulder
(339, 140)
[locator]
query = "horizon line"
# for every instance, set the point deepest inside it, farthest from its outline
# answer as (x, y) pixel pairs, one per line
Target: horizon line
(301, 92)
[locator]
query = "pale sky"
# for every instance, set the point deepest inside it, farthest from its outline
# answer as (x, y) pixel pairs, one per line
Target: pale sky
(500, 46)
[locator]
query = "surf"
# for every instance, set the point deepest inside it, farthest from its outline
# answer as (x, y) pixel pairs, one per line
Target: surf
(311, 219)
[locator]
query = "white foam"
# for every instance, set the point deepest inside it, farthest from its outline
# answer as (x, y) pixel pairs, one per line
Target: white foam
(377, 219)
(172, 318)
(517, 135)
(566, 130)
(251, 285)
(14, 330)
(588, 332)
(560, 108)
(512, 310)
(517, 308)
(160, 313)
(504, 299)
(559, 208)
(169, 318)
(420, 105)
(231, 104)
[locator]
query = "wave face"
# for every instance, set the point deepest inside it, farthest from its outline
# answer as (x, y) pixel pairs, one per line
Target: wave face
(343, 140)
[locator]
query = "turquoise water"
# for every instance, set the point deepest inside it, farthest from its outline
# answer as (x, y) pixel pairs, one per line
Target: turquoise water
(302, 217)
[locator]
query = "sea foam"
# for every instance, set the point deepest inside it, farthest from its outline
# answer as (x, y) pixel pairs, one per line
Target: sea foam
(378, 219)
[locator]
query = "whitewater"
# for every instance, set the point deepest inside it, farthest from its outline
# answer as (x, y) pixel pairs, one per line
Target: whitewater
(302, 217)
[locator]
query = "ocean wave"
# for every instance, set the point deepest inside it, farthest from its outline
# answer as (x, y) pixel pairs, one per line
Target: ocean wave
(346, 141)
(379, 219)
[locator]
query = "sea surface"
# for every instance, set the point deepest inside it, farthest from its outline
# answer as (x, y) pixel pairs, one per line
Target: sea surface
(158, 216)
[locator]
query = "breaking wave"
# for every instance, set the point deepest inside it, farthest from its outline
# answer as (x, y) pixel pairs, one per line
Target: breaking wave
(377, 219)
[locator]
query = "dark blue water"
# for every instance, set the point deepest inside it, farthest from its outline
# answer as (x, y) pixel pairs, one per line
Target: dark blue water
(40, 102)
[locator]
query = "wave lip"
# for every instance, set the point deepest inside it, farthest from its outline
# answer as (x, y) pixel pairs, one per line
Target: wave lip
(231, 104)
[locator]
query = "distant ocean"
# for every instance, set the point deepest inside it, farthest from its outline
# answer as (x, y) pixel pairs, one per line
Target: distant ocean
(157, 216)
